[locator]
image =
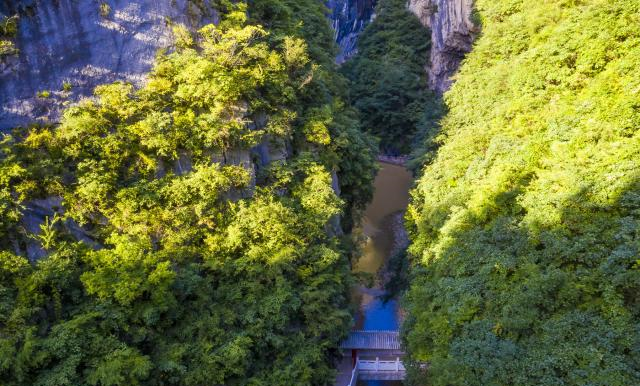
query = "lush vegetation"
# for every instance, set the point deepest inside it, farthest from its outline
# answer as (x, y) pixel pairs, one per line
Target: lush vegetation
(525, 235)
(191, 231)
(389, 81)
(175, 255)
(8, 30)
(352, 155)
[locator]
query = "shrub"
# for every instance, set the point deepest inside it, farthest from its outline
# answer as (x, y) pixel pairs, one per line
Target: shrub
(105, 9)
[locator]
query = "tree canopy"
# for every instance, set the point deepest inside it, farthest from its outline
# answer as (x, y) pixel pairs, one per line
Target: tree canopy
(525, 227)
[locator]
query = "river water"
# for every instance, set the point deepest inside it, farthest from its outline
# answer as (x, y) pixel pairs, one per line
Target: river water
(391, 196)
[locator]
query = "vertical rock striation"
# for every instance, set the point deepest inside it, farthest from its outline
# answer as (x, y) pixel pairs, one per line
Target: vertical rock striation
(452, 35)
(349, 18)
(67, 47)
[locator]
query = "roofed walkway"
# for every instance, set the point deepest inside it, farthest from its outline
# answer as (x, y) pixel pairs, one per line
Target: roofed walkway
(375, 355)
(372, 340)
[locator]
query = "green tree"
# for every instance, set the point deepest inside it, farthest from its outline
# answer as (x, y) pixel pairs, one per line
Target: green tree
(324, 100)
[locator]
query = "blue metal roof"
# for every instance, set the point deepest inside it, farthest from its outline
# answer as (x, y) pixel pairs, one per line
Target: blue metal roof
(372, 340)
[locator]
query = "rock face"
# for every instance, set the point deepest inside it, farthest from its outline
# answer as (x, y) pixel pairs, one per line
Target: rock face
(452, 35)
(452, 32)
(78, 44)
(67, 47)
(349, 18)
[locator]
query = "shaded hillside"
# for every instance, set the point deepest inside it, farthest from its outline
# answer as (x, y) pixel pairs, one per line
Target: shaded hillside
(349, 18)
(388, 80)
(524, 228)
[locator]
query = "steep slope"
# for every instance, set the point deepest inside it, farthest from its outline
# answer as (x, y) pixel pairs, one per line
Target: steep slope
(524, 229)
(388, 81)
(209, 261)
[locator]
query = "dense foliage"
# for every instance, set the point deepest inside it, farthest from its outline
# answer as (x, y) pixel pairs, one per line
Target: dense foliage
(525, 227)
(389, 81)
(352, 153)
(171, 259)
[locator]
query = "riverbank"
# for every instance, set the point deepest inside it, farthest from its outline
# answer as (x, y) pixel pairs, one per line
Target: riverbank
(398, 161)
(393, 274)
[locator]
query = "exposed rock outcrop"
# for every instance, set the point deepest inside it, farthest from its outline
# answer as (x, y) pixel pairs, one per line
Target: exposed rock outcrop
(78, 44)
(349, 18)
(35, 213)
(452, 35)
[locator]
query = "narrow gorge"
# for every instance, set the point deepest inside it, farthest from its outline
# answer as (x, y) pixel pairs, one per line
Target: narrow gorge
(319, 192)
(385, 51)
(81, 44)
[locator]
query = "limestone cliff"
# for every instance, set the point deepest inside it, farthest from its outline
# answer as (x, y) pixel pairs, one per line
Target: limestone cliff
(67, 47)
(452, 34)
(349, 18)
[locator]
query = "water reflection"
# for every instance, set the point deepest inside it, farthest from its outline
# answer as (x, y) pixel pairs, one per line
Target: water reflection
(391, 195)
(374, 313)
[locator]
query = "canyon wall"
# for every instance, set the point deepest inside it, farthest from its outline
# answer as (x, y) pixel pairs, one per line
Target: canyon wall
(67, 47)
(349, 18)
(452, 35)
